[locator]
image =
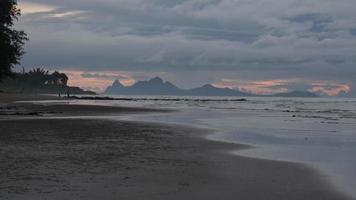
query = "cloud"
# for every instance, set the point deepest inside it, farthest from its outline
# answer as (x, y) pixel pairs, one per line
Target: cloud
(257, 87)
(315, 40)
(67, 14)
(30, 8)
(100, 75)
(99, 80)
(330, 89)
(324, 88)
(88, 83)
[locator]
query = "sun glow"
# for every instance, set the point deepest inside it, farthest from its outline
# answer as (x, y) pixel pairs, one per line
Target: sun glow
(333, 89)
(266, 87)
(30, 8)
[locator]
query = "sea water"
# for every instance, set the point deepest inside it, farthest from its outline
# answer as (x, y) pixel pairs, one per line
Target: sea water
(320, 132)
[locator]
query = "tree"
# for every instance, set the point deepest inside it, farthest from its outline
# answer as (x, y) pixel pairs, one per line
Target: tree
(57, 78)
(38, 76)
(11, 40)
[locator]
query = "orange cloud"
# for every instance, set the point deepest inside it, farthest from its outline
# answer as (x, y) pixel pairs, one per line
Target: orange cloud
(30, 8)
(330, 89)
(257, 87)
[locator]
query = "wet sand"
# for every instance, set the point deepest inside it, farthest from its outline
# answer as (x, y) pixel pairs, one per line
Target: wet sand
(11, 97)
(103, 159)
(16, 105)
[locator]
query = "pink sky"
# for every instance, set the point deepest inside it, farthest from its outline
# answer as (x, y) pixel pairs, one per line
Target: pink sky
(99, 81)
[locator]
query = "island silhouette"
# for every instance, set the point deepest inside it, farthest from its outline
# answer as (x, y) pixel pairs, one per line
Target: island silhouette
(157, 86)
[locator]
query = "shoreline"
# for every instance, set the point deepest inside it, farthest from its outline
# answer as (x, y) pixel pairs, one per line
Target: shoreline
(330, 178)
(183, 164)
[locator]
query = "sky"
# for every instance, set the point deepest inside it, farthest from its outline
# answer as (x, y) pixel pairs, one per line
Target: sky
(259, 46)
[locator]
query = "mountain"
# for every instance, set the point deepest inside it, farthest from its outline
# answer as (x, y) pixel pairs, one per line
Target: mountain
(116, 87)
(210, 90)
(157, 86)
(296, 94)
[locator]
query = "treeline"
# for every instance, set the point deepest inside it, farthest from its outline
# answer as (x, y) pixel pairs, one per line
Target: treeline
(39, 80)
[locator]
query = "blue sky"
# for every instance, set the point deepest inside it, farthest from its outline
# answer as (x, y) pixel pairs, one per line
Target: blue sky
(262, 46)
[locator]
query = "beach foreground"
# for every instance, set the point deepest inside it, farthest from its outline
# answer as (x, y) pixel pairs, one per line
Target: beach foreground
(105, 159)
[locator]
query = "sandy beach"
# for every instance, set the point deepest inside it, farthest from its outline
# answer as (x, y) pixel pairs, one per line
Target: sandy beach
(106, 159)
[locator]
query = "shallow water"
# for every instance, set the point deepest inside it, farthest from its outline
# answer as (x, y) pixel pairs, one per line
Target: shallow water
(316, 131)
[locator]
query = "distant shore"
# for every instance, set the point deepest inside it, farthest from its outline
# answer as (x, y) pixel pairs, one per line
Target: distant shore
(104, 159)
(153, 99)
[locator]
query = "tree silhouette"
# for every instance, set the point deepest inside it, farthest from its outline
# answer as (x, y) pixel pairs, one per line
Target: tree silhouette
(57, 78)
(11, 40)
(38, 77)
(39, 80)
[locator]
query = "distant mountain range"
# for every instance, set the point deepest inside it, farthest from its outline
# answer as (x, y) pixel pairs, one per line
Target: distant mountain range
(157, 86)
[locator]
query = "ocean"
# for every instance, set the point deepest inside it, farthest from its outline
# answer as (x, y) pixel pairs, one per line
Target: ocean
(319, 132)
